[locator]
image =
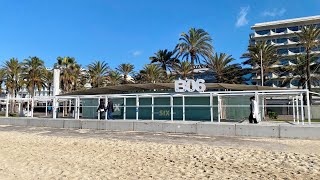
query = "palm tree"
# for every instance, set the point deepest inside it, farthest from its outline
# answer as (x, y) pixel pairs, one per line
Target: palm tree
(13, 80)
(183, 69)
(125, 69)
(196, 44)
(49, 80)
(33, 72)
(114, 78)
(68, 76)
(223, 71)
(297, 71)
(98, 72)
(165, 59)
(269, 58)
(307, 38)
(152, 73)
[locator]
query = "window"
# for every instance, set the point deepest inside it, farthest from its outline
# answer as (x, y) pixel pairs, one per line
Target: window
(282, 51)
(293, 28)
(263, 32)
(281, 30)
(282, 40)
(294, 39)
(284, 62)
(294, 50)
(295, 82)
(303, 49)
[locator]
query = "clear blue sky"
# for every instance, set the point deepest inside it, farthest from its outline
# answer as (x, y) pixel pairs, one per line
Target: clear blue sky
(130, 31)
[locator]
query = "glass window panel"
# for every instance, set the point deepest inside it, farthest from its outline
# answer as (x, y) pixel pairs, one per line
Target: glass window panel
(263, 32)
(280, 30)
(294, 28)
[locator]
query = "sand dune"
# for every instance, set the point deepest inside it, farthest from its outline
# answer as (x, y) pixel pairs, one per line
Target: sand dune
(25, 155)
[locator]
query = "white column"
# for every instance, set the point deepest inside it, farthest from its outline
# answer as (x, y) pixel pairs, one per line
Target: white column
(54, 107)
(32, 106)
(137, 107)
(183, 108)
(308, 107)
(293, 110)
(78, 108)
(7, 106)
(256, 96)
(124, 108)
(28, 109)
(152, 108)
(302, 111)
(46, 107)
(211, 107)
(98, 108)
(297, 107)
(219, 108)
(75, 109)
(171, 107)
(106, 105)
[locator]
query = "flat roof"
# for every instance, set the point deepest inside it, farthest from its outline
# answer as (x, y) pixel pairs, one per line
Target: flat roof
(148, 88)
(287, 21)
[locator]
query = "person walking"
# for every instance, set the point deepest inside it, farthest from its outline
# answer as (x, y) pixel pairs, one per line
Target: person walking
(110, 109)
(253, 111)
(101, 109)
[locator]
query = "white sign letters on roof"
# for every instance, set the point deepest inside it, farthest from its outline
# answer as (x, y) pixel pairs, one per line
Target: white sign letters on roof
(189, 85)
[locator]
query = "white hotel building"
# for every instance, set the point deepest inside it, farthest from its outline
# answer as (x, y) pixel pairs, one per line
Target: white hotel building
(282, 35)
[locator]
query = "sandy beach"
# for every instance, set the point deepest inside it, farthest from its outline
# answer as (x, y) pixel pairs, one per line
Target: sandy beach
(44, 153)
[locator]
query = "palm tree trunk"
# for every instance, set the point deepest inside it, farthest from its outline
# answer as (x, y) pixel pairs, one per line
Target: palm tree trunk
(309, 75)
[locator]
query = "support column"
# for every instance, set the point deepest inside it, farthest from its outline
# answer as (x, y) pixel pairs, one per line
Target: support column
(211, 107)
(7, 106)
(137, 107)
(152, 108)
(32, 106)
(308, 107)
(297, 107)
(124, 108)
(293, 110)
(183, 108)
(78, 115)
(98, 108)
(28, 107)
(302, 110)
(219, 108)
(75, 108)
(171, 107)
(106, 105)
(54, 108)
(46, 108)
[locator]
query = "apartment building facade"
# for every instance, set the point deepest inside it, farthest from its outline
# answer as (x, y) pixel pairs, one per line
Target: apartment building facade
(282, 34)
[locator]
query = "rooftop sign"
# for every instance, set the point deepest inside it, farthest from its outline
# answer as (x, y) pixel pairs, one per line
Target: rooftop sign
(189, 85)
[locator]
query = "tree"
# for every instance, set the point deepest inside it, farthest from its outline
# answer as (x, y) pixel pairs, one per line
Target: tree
(33, 72)
(125, 69)
(98, 72)
(13, 79)
(183, 69)
(298, 71)
(49, 80)
(223, 71)
(68, 67)
(165, 59)
(307, 38)
(114, 78)
(194, 45)
(152, 73)
(269, 58)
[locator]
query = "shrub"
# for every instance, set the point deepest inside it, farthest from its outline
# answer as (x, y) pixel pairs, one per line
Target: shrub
(273, 115)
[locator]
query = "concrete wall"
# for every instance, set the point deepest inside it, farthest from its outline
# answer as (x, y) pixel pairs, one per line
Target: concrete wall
(192, 127)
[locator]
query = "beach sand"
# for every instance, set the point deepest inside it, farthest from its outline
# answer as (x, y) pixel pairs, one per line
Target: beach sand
(46, 153)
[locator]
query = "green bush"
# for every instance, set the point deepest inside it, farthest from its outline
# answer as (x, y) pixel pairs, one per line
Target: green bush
(273, 115)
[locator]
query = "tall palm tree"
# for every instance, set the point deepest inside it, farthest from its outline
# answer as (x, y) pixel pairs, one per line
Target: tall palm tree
(125, 69)
(269, 58)
(223, 71)
(33, 72)
(297, 71)
(152, 73)
(114, 78)
(49, 80)
(194, 45)
(165, 58)
(68, 75)
(13, 80)
(98, 72)
(307, 38)
(183, 69)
